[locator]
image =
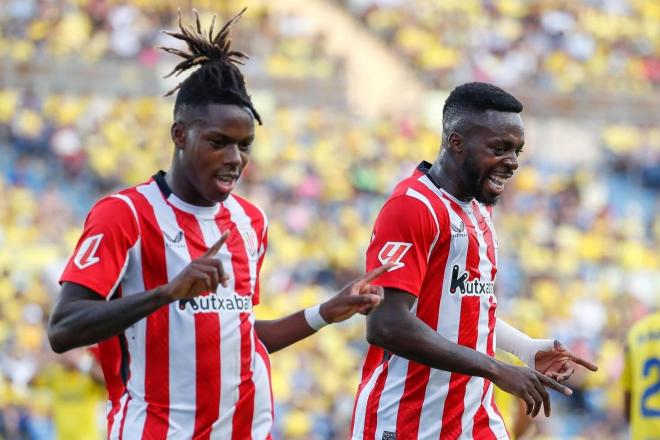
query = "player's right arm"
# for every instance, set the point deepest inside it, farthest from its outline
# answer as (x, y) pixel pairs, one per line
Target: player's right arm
(396, 329)
(407, 222)
(82, 315)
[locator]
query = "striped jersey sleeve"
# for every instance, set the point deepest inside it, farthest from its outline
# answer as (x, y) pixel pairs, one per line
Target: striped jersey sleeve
(405, 233)
(101, 255)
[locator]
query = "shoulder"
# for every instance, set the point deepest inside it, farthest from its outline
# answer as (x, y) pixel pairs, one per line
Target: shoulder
(251, 212)
(413, 197)
(115, 211)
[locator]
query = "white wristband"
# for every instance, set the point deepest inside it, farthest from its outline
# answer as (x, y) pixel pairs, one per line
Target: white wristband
(519, 344)
(314, 318)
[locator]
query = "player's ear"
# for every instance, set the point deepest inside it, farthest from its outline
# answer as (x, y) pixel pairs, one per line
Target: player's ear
(178, 133)
(455, 142)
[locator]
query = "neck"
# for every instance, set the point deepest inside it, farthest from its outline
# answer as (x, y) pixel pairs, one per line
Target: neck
(183, 188)
(444, 175)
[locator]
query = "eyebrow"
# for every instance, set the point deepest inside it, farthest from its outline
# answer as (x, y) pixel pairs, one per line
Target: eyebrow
(219, 134)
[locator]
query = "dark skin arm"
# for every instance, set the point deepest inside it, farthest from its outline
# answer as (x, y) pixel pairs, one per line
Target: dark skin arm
(392, 326)
(82, 317)
(357, 297)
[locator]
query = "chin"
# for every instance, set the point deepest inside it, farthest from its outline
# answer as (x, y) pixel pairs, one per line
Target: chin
(487, 200)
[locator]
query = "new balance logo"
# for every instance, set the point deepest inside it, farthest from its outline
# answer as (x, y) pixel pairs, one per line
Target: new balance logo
(393, 252)
(86, 255)
(474, 287)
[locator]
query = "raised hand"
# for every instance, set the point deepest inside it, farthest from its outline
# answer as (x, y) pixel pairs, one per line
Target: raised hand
(200, 275)
(529, 385)
(558, 362)
(357, 297)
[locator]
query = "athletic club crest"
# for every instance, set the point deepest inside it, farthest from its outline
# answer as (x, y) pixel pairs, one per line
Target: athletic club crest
(250, 240)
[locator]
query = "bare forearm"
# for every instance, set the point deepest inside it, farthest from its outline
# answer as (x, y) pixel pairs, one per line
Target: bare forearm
(277, 334)
(87, 321)
(412, 339)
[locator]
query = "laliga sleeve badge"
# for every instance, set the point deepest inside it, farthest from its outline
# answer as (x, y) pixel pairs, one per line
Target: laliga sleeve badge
(393, 252)
(86, 255)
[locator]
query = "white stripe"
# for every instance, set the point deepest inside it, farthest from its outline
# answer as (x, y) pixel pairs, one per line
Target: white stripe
(390, 398)
(136, 344)
(129, 202)
(181, 325)
(135, 416)
(430, 422)
(263, 415)
(495, 422)
(361, 405)
(422, 198)
(116, 423)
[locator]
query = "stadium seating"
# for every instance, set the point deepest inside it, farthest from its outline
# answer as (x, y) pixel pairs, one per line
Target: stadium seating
(562, 46)
(578, 244)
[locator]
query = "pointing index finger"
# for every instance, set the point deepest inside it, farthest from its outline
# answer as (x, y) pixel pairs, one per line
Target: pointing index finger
(585, 363)
(216, 247)
(372, 275)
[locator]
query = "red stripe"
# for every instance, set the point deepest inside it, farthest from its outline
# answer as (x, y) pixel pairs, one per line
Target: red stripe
(154, 271)
(372, 360)
(263, 354)
(111, 415)
(371, 412)
(481, 426)
(258, 221)
(490, 243)
(468, 329)
(428, 310)
(242, 420)
(123, 418)
(207, 340)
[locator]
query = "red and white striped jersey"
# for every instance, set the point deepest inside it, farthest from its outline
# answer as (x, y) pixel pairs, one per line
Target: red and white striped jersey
(193, 369)
(445, 255)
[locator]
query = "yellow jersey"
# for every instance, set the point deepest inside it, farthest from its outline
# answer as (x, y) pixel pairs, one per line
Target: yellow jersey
(76, 399)
(641, 378)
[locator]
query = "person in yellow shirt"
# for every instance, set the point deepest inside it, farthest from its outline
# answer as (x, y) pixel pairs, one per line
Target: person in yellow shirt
(76, 384)
(641, 378)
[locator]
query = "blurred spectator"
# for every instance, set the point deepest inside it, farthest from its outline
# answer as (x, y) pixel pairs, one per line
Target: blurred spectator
(557, 45)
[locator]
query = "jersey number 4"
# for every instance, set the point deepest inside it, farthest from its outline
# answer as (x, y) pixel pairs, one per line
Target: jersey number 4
(86, 255)
(654, 389)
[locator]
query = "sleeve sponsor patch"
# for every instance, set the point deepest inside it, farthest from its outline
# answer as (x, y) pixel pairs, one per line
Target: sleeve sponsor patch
(393, 252)
(86, 255)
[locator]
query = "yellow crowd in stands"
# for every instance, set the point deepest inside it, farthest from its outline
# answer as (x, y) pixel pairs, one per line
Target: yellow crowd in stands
(91, 30)
(559, 45)
(571, 267)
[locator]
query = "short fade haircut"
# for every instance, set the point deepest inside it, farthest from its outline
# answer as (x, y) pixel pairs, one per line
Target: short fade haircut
(474, 98)
(218, 80)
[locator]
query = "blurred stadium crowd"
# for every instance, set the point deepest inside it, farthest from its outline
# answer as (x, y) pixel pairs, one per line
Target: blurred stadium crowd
(578, 244)
(559, 45)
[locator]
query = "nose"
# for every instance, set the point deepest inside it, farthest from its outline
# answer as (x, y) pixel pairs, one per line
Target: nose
(511, 161)
(231, 155)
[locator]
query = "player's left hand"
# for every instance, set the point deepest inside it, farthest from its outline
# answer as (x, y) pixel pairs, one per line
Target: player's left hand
(357, 297)
(558, 363)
